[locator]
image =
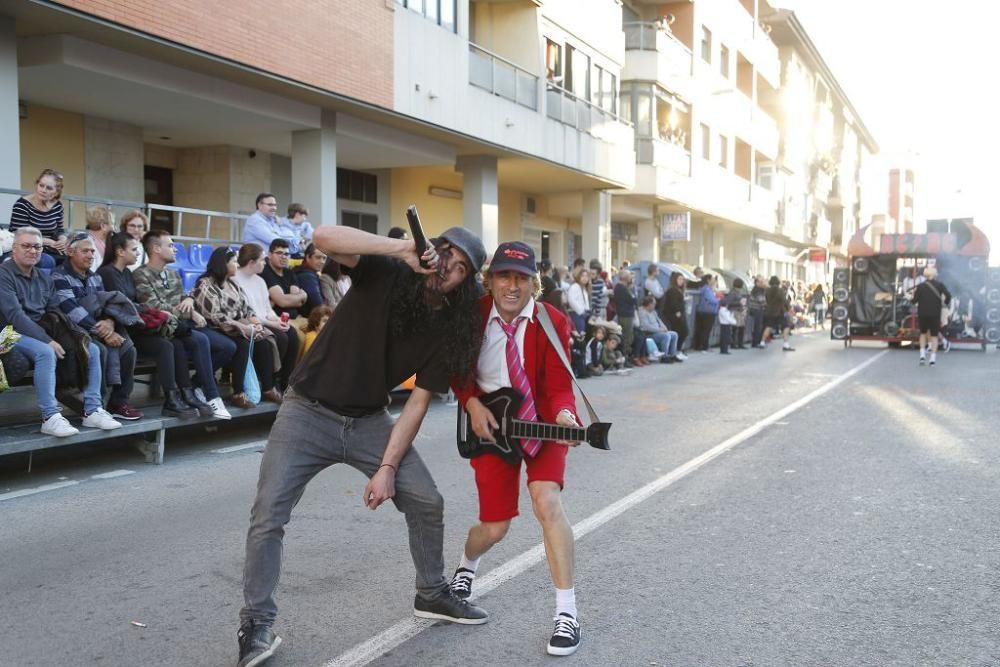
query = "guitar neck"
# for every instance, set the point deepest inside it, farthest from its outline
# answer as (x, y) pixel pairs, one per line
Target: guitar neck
(540, 431)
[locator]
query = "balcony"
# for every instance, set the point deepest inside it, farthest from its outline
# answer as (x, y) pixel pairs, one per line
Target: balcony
(502, 77)
(653, 54)
(563, 106)
(763, 208)
(660, 153)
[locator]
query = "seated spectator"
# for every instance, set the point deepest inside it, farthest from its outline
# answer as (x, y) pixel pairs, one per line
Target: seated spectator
(82, 298)
(136, 224)
(163, 340)
(653, 327)
(26, 296)
(100, 226)
(160, 287)
(307, 274)
(593, 350)
(300, 231)
(613, 360)
(251, 262)
(264, 225)
(224, 304)
(333, 283)
(43, 211)
(287, 296)
(317, 320)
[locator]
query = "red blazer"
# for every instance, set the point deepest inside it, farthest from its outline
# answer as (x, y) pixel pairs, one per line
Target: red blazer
(551, 384)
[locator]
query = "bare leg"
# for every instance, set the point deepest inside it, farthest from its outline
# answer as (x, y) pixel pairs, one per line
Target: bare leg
(483, 536)
(556, 531)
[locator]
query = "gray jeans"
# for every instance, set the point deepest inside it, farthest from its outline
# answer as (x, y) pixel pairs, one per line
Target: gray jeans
(305, 439)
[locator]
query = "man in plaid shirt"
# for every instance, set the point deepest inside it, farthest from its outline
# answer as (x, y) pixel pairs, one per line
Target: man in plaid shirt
(74, 282)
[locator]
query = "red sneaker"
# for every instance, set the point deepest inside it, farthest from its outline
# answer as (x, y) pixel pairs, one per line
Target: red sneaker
(125, 411)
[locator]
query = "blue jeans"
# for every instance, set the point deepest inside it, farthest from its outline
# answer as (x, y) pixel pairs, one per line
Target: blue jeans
(200, 348)
(43, 361)
(222, 348)
(666, 342)
(307, 438)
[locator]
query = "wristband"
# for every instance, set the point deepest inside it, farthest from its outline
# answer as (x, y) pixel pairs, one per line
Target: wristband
(389, 465)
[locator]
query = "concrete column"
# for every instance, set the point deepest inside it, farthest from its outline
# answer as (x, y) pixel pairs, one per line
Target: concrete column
(649, 240)
(10, 134)
(597, 226)
(696, 247)
(481, 198)
(314, 170)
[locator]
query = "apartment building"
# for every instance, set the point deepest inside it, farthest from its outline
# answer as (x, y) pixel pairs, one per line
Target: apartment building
(503, 116)
(901, 186)
(824, 150)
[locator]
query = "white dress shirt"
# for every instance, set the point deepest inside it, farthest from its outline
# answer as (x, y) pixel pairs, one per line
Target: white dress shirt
(492, 373)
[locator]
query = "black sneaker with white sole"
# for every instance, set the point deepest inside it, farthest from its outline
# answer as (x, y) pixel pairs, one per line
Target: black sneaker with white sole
(257, 644)
(449, 607)
(565, 637)
(461, 583)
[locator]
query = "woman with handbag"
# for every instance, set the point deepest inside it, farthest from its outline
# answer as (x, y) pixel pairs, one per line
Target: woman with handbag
(224, 304)
(157, 337)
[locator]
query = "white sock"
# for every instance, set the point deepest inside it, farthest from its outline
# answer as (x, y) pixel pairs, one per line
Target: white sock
(470, 565)
(566, 601)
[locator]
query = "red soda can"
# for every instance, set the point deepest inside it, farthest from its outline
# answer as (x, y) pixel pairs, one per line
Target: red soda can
(284, 318)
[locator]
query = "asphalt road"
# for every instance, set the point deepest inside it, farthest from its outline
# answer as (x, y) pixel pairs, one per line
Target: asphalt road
(846, 525)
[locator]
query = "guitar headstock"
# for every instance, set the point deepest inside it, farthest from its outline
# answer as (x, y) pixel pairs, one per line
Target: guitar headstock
(597, 435)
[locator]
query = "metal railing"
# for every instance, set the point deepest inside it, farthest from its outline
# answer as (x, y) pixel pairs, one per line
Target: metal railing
(660, 153)
(651, 36)
(565, 107)
(501, 77)
(76, 215)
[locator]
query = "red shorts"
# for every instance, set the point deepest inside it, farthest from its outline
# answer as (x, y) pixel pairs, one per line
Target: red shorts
(498, 482)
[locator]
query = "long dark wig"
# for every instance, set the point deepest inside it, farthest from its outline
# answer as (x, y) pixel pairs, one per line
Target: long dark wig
(456, 321)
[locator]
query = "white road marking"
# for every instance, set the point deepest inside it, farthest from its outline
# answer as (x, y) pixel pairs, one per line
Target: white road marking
(406, 629)
(112, 474)
(37, 489)
(236, 448)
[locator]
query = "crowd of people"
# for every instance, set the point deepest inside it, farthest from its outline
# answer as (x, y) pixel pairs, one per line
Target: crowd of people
(79, 308)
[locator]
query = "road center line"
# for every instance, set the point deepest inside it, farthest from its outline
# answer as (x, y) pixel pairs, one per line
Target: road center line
(38, 489)
(236, 448)
(406, 629)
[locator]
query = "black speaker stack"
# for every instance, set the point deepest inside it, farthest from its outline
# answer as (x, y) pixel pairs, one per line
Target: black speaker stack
(838, 310)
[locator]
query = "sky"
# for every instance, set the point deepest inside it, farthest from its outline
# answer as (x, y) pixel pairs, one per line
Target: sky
(923, 77)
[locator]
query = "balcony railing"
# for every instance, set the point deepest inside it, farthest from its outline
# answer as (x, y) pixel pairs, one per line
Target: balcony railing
(660, 153)
(502, 77)
(565, 107)
(649, 36)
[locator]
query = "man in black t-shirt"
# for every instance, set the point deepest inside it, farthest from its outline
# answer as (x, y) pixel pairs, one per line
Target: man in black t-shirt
(282, 283)
(397, 320)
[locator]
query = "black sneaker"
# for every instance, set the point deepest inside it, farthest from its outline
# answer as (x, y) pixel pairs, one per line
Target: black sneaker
(449, 607)
(565, 637)
(257, 644)
(461, 583)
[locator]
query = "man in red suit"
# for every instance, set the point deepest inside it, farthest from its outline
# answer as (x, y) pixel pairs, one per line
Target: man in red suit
(512, 335)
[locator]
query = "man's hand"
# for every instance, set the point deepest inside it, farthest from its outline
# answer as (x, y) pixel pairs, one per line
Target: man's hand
(114, 340)
(295, 289)
(380, 488)
(198, 319)
(58, 349)
(104, 328)
(430, 256)
(186, 306)
(566, 418)
(483, 421)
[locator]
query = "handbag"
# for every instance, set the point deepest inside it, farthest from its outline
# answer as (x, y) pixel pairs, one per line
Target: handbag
(251, 386)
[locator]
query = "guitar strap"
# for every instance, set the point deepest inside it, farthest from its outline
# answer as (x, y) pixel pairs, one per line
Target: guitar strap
(550, 333)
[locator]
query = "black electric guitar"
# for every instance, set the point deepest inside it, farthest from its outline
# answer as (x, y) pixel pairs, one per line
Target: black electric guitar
(504, 404)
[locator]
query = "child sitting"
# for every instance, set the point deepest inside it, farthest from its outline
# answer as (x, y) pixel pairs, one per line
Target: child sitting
(594, 350)
(613, 360)
(317, 320)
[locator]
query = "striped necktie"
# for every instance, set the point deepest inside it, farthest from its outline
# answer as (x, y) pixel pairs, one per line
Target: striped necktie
(519, 381)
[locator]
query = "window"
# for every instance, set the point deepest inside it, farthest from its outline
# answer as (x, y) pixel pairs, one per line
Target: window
(706, 142)
(553, 62)
(357, 186)
(723, 151)
(706, 44)
(577, 72)
(604, 92)
(441, 12)
(363, 221)
(724, 60)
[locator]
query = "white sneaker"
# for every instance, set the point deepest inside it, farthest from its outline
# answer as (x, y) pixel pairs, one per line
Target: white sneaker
(682, 356)
(58, 426)
(102, 419)
(656, 355)
(200, 395)
(218, 408)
